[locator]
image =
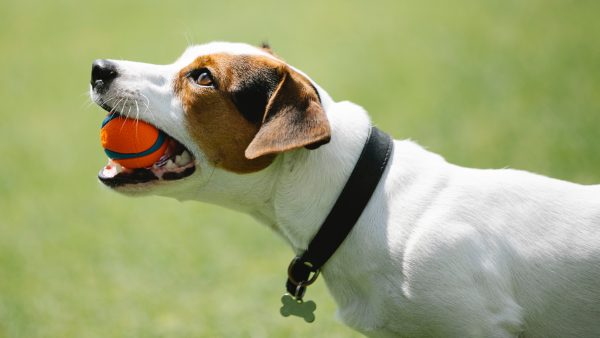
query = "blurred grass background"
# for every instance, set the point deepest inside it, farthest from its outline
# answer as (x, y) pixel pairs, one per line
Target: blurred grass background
(484, 83)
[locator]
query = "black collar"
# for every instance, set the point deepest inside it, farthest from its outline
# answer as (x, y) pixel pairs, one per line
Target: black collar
(341, 219)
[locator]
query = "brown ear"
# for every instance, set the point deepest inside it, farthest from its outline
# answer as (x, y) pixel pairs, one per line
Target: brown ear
(293, 118)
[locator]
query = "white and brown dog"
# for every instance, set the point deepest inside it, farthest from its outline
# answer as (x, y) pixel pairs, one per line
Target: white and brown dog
(440, 250)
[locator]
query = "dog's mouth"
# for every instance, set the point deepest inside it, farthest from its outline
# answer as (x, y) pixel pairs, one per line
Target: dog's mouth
(176, 163)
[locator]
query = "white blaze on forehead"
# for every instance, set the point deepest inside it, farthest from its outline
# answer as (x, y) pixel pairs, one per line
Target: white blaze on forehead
(233, 48)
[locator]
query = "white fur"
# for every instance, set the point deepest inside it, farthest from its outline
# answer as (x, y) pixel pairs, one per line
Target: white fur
(440, 250)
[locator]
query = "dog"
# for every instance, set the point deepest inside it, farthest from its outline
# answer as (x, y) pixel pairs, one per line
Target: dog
(439, 251)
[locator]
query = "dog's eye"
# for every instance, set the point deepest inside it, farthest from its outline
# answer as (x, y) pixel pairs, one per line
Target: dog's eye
(201, 77)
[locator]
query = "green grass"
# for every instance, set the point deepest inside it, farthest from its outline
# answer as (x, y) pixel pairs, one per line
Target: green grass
(486, 84)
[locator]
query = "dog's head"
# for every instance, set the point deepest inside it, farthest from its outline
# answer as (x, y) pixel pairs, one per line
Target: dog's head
(224, 105)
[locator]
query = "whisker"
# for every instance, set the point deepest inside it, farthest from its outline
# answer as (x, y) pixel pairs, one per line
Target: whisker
(86, 104)
(137, 108)
(122, 110)
(106, 101)
(88, 100)
(147, 104)
(109, 99)
(188, 38)
(85, 93)
(114, 110)
(137, 114)
(137, 120)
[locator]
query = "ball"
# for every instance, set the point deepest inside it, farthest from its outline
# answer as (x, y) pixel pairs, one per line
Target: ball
(132, 143)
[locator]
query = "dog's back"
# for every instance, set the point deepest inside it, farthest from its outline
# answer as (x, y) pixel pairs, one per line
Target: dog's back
(498, 252)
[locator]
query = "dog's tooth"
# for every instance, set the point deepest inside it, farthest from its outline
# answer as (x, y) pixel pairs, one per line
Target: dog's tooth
(170, 165)
(186, 157)
(115, 166)
(118, 167)
(179, 160)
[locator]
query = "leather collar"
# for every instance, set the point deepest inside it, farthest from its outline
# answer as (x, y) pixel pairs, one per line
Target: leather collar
(304, 268)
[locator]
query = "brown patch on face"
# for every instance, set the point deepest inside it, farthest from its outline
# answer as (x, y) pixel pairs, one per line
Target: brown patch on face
(214, 122)
(257, 108)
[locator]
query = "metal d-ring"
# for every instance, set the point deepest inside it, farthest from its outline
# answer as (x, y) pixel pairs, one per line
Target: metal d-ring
(302, 283)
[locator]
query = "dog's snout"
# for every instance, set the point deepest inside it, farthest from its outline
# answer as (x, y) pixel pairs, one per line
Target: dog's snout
(103, 73)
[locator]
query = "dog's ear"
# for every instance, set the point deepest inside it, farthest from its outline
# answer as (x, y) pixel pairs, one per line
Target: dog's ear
(293, 118)
(266, 47)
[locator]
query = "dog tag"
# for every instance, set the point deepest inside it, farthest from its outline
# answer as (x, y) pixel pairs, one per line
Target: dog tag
(298, 308)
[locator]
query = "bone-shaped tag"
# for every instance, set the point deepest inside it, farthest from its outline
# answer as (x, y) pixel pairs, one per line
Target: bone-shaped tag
(298, 308)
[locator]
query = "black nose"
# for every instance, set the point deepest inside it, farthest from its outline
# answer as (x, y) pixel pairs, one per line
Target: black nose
(103, 73)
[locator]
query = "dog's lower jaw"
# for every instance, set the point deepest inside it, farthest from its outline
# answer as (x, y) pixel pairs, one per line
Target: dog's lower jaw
(182, 190)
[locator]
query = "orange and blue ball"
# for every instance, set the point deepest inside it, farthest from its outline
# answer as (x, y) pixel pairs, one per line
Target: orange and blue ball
(132, 143)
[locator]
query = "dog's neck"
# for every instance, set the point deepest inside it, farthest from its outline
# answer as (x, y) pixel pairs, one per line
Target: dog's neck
(311, 181)
(296, 192)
